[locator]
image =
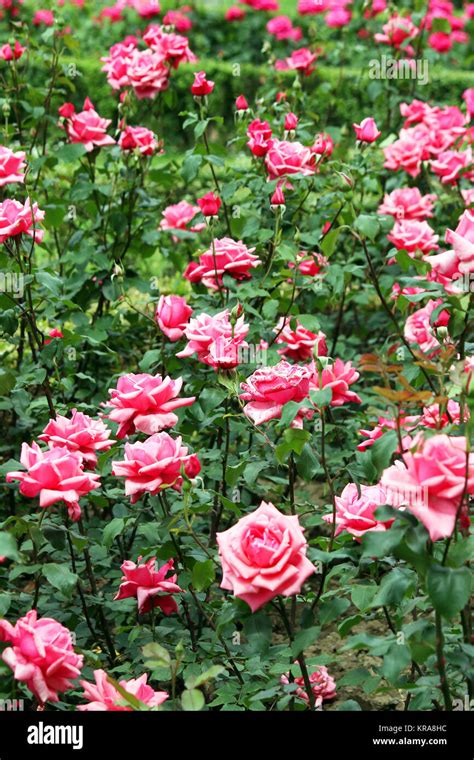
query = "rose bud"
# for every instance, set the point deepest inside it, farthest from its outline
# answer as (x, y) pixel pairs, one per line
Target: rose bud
(201, 86)
(367, 130)
(209, 204)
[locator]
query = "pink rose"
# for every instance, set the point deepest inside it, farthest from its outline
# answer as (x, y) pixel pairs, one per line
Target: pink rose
(201, 86)
(41, 655)
(7, 53)
(468, 97)
(215, 340)
(451, 164)
(80, 433)
(355, 512)
(149, 586)
(117, 62)
(227, 256)
(367, 130)
(241, 103)
(43, 17)
(300, 341)
(323, 145)
(462, 240)
(310, 7)
(420, 331)
(179, 20)
(397, 31)
(88, 128)
(338, 376)
(153, 465)
(309, 265)
(284, 158)
(179, 215)
(268, 389)
(234, 13)
(147, 73)
(291, 121)
(173, 49)
(12, 166)
(300, 60)
(264, 555)
(140, 139)
(437, 417)
(17, 218)
(103, 696)
(145, 8)
(412, 235)
(54, 475)
(282, 28)
(322, 683)
(407, 203)
(209, 204)
(145, 403)
(172, 315)
(259, 133)
(432, 480)
(406, 154)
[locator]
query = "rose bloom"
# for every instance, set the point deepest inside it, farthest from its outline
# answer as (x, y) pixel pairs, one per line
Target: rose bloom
(264, 555)
(284, 158)
(450, 165)
(367, 130)
(153, 465)
(268, 389)
(215, 340)
(42, 655)
(173, 48)
(12, 166)
(291, 121)
(412, 235)
(355, 512)
(407, 203)
(209, 204)
(44, 17)
(432, 480)
(201, 86)
(323, 686)
(300, 60)
(462, 240)
(282, 28)
(88, 128)
(300, 341)
(116, 63)
(468, 97)
(338, 16)
(323, 145)
(54, 475)
(259, 133)
(396, 31)
(80, 433)
(145, 8)
(179, 20)
(338, 376)
(406, 154)
(234, 13)
(7, 53)
(468, 196)
(17, 218)
(149, 586)
(310, 7)
(145, 403)
(437, 417)
(140, 139)
(309, 265)
(262, 5)
(172, 316)
(241, 103)
(227, 256)
(104, 697)
(384, 424)
(179, 215)
(419, 330)
(147, 73)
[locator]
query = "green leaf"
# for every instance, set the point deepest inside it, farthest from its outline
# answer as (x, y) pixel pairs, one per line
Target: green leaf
(368, 226)
(8, 547)
(328, 242)
(393, 587)
(112, 530)
(329, 611)
(304, 639)
(60, 577)
(70, 153)
(448, 588)
(194, 681)
(377, 544)
(363, 595)
(156, 656)
(203, 574)
(192, 700)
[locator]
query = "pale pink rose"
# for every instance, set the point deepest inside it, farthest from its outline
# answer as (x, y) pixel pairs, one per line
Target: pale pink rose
(17, 219)
(397, 31)
(432, 480)
(420, 331)
(88, 128)
(140, 139)
(367, 130)
(268, 389)
(338, 376)
(172, 316)
(12, 166)
(117, 62)
(300, 342)
(179, 215)
(215, 340)
(172, 48)
(41, 656)
(147, 73)
(444, 267)
(384, 424)
(437, 418)
(259, 134)
(226, 256)
(54, 475)
(406, 154)
(153, 465)
(80, 433)
(322, 683)
(145, 403)
(284, 158)
(451, 164)
(449, 120)
(462, 240)
(149, 585)
(355, 511)
(103, 696)
(468, 196)
(412, 235)
(407, 203)
(264, 555)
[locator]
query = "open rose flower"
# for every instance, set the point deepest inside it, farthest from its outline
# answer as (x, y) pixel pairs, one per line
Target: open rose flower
(322, 683)
(264, 555)
(140, 139)
(451, 165)
(259, 134)
(284, 158)
(215, 340)
(431, 481)
(300, 342)
(153, 465)
(103, 696)
(80, 433)
(300, 60)
(172, 316)
(54, 475)
(407, 203)
(338, 377)
(12, 166)
(462, 240)
(149, 585)
(355, 510)
(407, 153)
(226, 256)
(147, 73)
(412, 235)
(41, 655)
(178, 217)
(270, 388)
(145, 403)
(420, 330)
(88, 128)
(20, 219)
